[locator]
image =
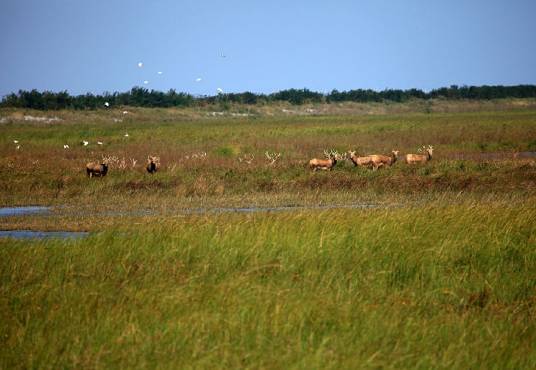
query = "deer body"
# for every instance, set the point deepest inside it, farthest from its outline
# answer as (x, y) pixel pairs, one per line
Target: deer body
(153, 164)
(365, 161)
(96, 169)
(375, 160)
(420, 158)
(324, 164)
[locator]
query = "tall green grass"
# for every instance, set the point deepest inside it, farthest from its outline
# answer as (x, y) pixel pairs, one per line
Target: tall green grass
(439, 285)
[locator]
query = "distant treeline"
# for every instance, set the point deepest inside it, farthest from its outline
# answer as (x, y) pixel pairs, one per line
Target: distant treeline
(141, 97)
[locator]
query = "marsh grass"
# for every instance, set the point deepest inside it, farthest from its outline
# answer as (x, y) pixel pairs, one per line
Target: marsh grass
(439, 275)
(440, 285)
(473, 152)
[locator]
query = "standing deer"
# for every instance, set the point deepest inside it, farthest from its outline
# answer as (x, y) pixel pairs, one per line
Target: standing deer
(325, 164)
(153, 164)
(365, 161)
(374, 160)
(96, 169)
(420, 158)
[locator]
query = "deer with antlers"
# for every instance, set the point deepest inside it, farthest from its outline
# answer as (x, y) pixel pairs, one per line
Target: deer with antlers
(153, 164)
(420, 158)
(325, 164)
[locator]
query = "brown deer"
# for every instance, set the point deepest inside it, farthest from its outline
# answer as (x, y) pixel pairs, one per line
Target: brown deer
(96, 169)
(420, 158)
(365, 161)
(325, 164)
(374, 160)
(153, 164)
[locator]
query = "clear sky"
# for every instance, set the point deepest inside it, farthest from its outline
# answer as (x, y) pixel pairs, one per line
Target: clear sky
(95, 45)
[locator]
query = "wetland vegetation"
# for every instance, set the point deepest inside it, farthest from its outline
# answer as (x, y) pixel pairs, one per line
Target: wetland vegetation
(437, 269)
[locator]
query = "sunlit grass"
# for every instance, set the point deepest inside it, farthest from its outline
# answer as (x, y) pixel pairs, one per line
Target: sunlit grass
(439, 285)
(438, 274)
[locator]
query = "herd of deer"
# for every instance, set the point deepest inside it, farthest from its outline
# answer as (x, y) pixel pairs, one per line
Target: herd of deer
(373, 161)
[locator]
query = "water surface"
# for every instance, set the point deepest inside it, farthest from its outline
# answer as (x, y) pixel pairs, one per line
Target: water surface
(21, 211)
(29, 234)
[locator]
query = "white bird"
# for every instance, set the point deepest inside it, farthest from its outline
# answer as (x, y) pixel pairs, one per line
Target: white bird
(126, 135)
(220, 91)
(146, 82)
(198, 79)
(125, 112)
(18, 147)
(106, 104)
(16, 141)
(159, 72)
(85, 142)
(65, 146)
(99, 142)
(140, 64)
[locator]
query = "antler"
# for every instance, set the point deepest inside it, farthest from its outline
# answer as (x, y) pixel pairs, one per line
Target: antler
(272, 157)
(330, 153)
(248, 158)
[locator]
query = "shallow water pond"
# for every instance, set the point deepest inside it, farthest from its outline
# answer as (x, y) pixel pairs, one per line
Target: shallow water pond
(21, 211)
(30, 234)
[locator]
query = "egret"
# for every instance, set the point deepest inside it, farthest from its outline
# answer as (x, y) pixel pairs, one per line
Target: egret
(140, 64)
(65, 146)
(99, 142)
(86, 143)
(106, 104)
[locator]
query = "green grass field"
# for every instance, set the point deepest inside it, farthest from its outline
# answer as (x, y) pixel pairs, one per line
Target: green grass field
(440, 273)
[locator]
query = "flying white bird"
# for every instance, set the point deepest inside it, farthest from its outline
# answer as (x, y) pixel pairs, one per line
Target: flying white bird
(99, 142)
(15, 141)
(146, 82)
(106, 104)
(159, 72)
(65, 146)
(85, 142)
(198, 79)
(140, 64)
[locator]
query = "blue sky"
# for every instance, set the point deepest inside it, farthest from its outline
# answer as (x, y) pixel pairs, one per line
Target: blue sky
(94, 46)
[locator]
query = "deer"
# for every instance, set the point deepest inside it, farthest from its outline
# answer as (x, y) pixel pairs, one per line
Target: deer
(96, 169)
(374, 160)
(420, 158)
(325, 164)
(153, 164)
(365, 161)
(379, 160)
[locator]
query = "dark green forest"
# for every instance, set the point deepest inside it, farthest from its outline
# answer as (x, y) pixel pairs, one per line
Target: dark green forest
(142, 97)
